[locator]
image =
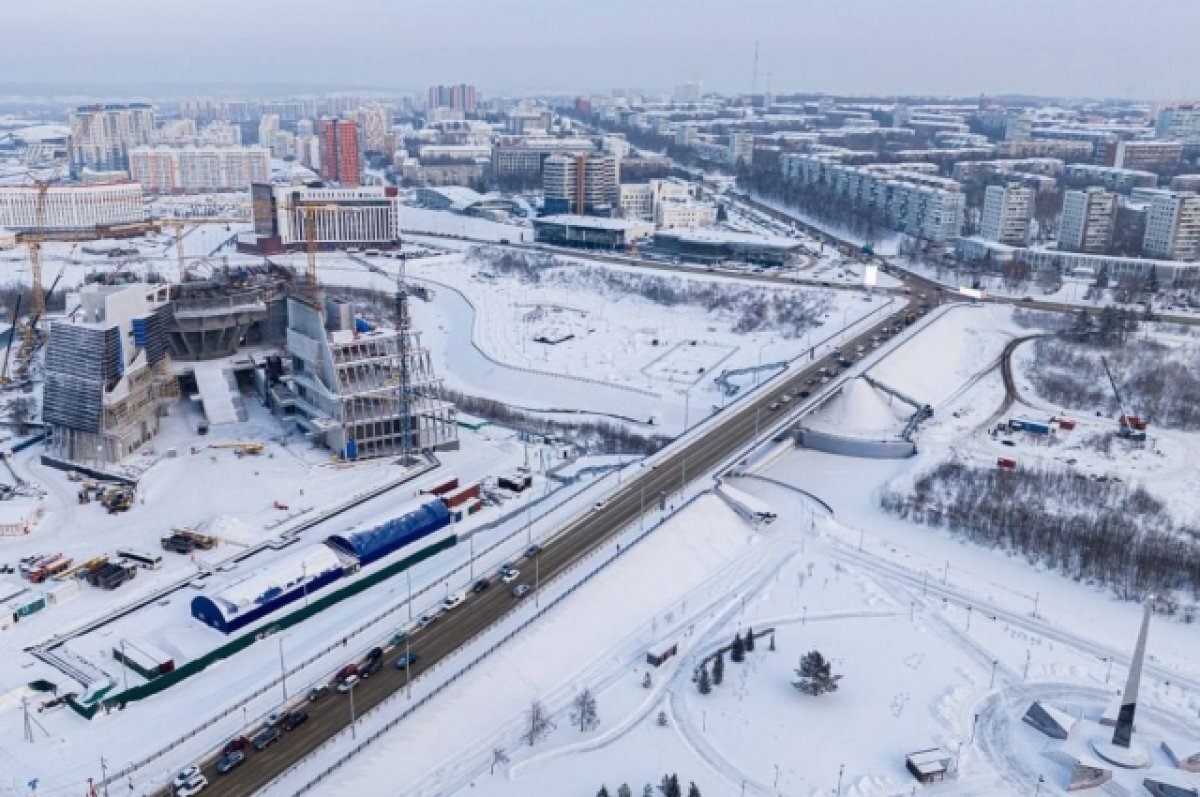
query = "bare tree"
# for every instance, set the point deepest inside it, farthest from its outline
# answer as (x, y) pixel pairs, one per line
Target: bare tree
(538, 724)
(499, 758)
(583, 711)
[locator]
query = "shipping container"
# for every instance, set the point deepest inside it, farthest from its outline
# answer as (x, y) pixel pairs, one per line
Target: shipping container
(443, 488)
(461, 496)
(62, 591)
(515, 482)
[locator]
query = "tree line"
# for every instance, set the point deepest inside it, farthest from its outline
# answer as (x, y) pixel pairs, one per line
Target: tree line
(1094, 529)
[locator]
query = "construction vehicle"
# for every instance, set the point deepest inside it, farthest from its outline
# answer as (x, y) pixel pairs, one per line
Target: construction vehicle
(90, 564)
(1129, 426)
(37, 569)
(117, 499)
(204, 542)
(178, 544)
(253, 449)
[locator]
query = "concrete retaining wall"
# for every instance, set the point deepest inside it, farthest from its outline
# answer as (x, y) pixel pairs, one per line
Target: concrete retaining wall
(855, 446)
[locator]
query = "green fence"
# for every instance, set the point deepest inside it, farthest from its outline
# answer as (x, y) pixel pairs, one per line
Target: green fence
(182, 673)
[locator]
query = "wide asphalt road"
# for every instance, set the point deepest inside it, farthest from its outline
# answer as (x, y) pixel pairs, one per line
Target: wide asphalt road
(677, 465)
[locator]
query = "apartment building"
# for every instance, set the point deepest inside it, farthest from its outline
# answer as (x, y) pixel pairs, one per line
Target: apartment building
(103, 135)
(922, 205)
(523, 157)
(1087, 221)
(1148, 155)
(341, 154)
(581, 184)
(184, 170)
(1179, 123)
(1007, 211)
(1173, 226)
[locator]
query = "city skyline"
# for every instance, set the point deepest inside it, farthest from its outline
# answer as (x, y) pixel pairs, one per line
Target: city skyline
(1029, 47)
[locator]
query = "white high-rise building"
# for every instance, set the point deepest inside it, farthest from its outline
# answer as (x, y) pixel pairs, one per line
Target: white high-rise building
(167, 170)
(268, 126)
(741, 149)
(375, 121)
(1180, 123)
(221, 134)
(1007, 210)
(584, 184)
(103, 135)
(688, 93)
(1172, 226)
(72, 207)
(360, 216)
(1087, 221)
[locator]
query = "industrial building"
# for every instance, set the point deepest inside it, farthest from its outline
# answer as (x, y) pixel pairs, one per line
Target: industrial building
(72, 207)
(108, 376)
(171, 170)
(345, 386)
(591, 231)
(458, 199)
(366, 216)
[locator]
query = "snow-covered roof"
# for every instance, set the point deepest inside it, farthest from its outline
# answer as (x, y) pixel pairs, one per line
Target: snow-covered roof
(288, 572)
(595, 222)
(716, 235)
(413, 520)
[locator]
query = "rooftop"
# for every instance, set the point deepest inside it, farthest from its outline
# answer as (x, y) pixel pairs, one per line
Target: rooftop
(595, 222)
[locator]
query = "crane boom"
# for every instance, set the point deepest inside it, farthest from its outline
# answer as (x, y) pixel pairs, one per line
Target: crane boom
(1130, 426)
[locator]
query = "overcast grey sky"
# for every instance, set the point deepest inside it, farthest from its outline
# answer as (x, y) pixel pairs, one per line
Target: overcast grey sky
(1144, 48)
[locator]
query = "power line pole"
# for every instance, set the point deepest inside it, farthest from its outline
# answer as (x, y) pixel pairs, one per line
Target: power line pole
(402, 329)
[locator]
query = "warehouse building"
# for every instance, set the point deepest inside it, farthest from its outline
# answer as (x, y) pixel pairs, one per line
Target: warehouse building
(595, 232)
(718, 246)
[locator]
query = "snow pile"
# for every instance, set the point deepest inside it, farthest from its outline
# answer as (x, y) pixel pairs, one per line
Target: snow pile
(860, 409)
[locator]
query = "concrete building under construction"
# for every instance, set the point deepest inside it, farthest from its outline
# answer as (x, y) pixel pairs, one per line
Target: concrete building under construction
(346, 384)
(108, 375)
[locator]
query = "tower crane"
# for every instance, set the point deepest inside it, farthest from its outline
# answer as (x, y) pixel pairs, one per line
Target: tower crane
(35, 238)
(1131, 427)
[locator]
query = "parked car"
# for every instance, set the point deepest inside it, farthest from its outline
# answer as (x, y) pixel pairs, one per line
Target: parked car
(520, 591)
(453, 601)
(510, 575)
(265, 738)
(406, 660)
(480, 585)
(295, 719)
(347, 683)
(230, 760)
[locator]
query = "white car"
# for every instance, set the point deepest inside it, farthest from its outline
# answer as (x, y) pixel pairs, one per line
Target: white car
(193, 786)
(347, 683)
(453, 601)
(510, 575)
(186, 776)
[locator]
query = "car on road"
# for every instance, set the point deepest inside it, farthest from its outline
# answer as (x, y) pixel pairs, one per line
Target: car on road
(318, 692)
(295, 719)
(369, 668)
(235, 744)
(532, 551)
(406, 660)
(480, 585)
(193, 786)
(521, 590)
(186, 776)
(426, 620)
(785, 398)
(1008, 443)
(774, 405)
(265, 738)
(510, 575)
(347, 683)
(599, 505)
(453, 601)
(804, 394)
(229, 761)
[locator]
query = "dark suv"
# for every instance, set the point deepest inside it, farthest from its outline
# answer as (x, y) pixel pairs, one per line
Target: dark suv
(294, 719)
(264, 738)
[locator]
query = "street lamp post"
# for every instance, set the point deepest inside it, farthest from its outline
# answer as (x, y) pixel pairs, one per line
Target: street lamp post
(537, 579)
(353, 718)
(841, 769)
(282, 668)
(408, 573)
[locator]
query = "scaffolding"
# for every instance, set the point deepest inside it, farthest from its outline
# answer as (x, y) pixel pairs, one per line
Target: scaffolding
(348, 387)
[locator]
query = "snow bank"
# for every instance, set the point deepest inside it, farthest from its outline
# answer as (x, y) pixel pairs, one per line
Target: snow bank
(860, 409)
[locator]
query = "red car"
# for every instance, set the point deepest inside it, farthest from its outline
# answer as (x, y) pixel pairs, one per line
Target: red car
(236, 743)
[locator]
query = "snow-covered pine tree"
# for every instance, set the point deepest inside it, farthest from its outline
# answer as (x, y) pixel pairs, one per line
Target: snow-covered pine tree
(718, 671)
(749, 640)
(738, 652)
(815, 675)
(703, 684)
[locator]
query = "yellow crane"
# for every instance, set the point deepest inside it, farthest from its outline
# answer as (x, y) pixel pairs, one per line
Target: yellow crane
(309, 209)
(35, 238)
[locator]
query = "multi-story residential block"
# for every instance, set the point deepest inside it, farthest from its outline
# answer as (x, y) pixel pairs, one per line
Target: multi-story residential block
(460, 97)
(1147, 155)
(167, 170)
(103, 135)
(1087, 221)
(1007, 210)
(1179, 123)
(1173, 226)
(341, 156)
(583, 184)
